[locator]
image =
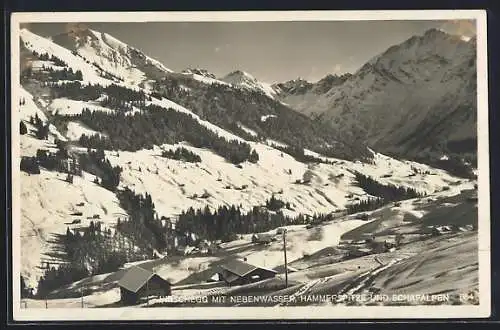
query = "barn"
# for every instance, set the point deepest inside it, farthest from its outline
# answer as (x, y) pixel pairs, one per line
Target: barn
(238, 272)
(138, 283)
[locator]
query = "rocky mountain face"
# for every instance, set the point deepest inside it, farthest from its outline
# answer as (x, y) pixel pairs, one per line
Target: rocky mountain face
(112, 55)
(416, 97)
(245, 80)
(200, 72)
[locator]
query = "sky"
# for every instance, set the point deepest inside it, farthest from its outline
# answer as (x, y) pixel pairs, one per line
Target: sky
(270, 51)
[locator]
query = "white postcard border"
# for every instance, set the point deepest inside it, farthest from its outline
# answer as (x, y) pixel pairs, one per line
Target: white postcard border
(251, 313)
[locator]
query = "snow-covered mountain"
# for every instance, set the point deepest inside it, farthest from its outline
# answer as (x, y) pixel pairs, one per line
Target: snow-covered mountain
(200, 72)
(311, 182)
(245, 80)
(415, 96)
(111, 55)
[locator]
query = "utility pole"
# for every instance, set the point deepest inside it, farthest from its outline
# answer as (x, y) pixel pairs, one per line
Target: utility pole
(286, 263)
(81, 291)
(147, 293)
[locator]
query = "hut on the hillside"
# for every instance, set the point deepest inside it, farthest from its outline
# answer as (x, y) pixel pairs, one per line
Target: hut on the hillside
(237, 272)
(138, 283)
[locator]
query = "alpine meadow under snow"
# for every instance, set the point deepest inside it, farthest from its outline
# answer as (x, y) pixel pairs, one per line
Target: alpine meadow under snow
(126, 162)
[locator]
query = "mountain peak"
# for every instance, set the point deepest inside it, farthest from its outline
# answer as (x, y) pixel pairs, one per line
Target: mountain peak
(245, 80)
(110, 55)
(200, 72)
(241, 74)
(435, 32)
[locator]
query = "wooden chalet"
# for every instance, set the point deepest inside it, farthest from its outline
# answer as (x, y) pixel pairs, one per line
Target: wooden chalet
(238, 272)
(138, 283)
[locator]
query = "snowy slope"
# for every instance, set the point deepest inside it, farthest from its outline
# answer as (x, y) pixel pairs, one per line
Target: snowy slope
(47, 202)
(64, 106)
(76, 129)
(42, 45)
(173, 184)
(245, 80)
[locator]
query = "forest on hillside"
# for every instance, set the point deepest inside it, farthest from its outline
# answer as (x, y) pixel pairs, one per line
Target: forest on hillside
(383, 194)
(225, 106)
(156, 126)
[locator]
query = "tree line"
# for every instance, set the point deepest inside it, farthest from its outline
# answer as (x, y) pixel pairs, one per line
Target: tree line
(388, 192)
(75, 90)
(275, 204)
(64, 74)
(41, 130)
(227, 222)
(95, 162)
(183, 154)
(453, 164)
(384, 193)
(299, 154)
(142, 225)
(45, 57)
(89, 251)
(366, 205)
(157, 126)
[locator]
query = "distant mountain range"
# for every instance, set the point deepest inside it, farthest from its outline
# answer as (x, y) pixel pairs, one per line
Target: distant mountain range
(416, 97)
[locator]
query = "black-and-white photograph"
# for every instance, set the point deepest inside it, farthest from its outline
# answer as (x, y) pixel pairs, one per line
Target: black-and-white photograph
(201, 163)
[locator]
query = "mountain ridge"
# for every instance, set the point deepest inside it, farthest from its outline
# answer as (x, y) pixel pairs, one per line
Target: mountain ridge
(418, 85)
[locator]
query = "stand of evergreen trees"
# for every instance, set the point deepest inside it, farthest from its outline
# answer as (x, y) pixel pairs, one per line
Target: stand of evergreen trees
(117, 92)
(142, 226)
(49, 160)
(41, 129)
(96, 250)
(182, 154)
(366, 205)
(299, 155)
(57, 161)
(91, 251)
(97, 141)
(64, 74)
(156, 126)
(384, 193)
(54, 278)
(45, 57)
(275, 204)
(76, 91)
(22, 128)
(95, 162)
(453, 165)
(226, 223)
(30, 165)
(388, 192)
